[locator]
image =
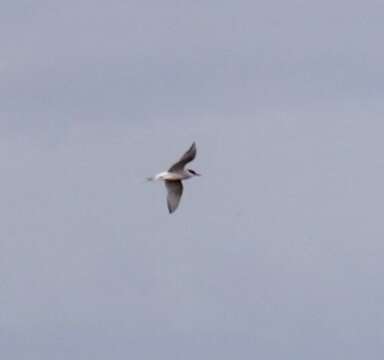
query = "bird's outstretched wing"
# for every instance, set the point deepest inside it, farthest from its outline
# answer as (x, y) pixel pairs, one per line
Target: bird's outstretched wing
(175, 190)
(188, 156)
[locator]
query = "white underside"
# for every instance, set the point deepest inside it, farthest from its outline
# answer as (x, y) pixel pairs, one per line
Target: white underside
(172, 176)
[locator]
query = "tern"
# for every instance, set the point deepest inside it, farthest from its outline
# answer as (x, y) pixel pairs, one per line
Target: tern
(174, 176)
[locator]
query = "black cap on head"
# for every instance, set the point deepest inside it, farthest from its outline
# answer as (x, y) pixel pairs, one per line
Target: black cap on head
(193, 172)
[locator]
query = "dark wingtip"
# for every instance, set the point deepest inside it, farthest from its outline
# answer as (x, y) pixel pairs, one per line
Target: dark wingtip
(170, 209)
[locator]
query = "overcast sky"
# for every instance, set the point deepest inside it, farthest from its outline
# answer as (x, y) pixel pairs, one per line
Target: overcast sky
(276, 252)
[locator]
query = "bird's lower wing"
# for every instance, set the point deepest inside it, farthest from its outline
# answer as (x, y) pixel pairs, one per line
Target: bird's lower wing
(175, 190)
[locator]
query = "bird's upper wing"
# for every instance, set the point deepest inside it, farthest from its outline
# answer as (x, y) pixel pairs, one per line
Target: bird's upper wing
(188, 156)
(175, 190)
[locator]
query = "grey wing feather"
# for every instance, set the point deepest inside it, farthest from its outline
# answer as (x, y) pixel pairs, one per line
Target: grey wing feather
(188, 156)
(175, 190)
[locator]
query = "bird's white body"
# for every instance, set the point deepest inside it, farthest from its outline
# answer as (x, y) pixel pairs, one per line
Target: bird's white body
(174, 176)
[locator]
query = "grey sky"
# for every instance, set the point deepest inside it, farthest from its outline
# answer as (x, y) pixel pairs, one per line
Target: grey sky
(275, 253)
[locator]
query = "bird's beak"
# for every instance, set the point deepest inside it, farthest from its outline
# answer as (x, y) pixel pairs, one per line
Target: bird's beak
(198, 174)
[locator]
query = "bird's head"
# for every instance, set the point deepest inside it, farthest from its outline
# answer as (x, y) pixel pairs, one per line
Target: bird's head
(193, 172)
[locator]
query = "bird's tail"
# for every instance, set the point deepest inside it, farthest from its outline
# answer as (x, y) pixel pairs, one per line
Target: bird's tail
(150, 178)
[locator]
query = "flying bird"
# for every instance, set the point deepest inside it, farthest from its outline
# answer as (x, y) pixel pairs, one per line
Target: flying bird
(174, 176)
